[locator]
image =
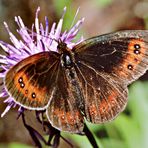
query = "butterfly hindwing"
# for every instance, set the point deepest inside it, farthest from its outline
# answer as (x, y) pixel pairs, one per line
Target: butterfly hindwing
(104, 97)
(64, 110)
(31, 81)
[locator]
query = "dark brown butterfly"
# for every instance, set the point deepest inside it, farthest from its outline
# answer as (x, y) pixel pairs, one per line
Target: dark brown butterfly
(90, 81)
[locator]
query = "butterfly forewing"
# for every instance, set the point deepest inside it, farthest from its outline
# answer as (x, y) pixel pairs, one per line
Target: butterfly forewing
(31, 81)
(122, 54)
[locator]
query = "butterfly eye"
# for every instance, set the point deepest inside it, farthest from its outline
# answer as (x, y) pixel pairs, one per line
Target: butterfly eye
(67, 60)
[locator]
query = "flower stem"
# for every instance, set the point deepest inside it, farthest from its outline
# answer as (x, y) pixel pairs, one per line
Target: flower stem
(90, 137)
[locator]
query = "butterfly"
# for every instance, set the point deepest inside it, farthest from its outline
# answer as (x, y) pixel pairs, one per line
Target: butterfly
(88, 81)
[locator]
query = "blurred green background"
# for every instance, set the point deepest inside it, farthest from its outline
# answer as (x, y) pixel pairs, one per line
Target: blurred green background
(130, 128)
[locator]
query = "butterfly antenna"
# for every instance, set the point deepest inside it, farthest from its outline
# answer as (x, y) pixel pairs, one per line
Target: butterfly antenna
(43, 45)
(34, 33)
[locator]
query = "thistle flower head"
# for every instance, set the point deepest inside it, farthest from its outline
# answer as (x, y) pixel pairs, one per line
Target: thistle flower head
(39, 39)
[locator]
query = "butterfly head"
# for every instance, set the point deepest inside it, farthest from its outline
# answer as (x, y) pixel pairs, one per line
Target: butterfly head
(62, 47)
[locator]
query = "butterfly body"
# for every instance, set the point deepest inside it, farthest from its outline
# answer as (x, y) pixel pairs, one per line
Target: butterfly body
(89, 81)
